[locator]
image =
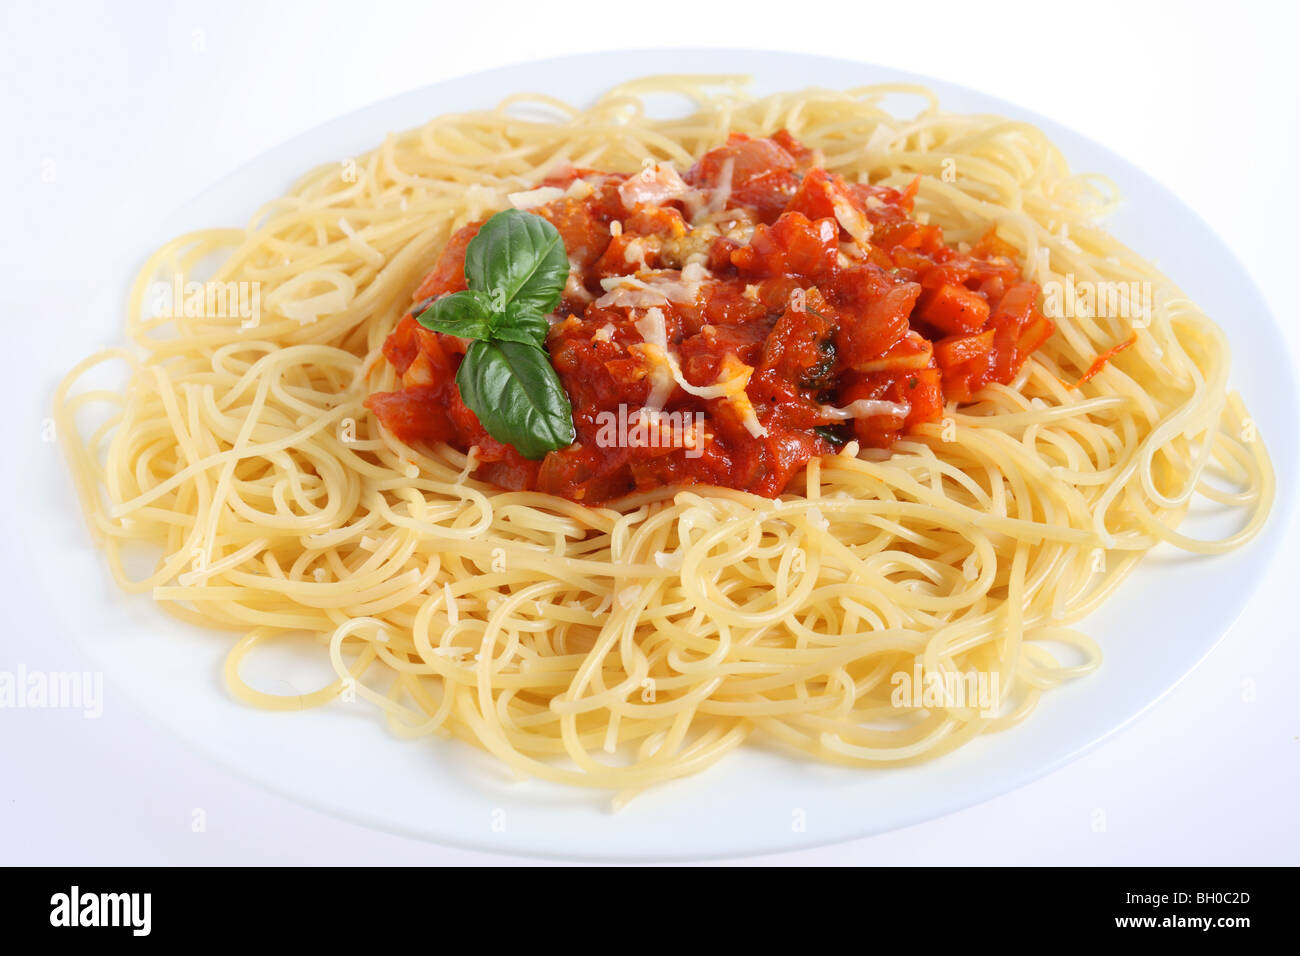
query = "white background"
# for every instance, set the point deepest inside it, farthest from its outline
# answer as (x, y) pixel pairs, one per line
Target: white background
(115, 114)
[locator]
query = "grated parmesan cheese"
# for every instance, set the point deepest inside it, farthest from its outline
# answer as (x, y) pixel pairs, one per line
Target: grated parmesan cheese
(865, 408)
(654, 289)
(665, 372)
(722, 192)
(654, 185)
(579, 189)
(848, 216)
(359, 245)
(532, 198)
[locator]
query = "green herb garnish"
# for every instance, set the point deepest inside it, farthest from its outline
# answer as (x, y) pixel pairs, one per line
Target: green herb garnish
(837, 435)
(516, 268)
(818, 376)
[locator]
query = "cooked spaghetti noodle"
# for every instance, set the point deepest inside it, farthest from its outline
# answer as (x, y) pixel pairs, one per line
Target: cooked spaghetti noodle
(626, 644)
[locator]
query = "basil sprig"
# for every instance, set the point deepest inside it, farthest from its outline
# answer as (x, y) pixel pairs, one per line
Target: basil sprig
(516, 268)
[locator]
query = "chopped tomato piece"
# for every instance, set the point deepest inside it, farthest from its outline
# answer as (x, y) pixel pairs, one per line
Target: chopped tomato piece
(877, 328)
(958, 349)
(792, 245)
(955, 309)
(1037, 331)
(925, 395)
(913, 351)
(1016, 305)
(416, 413)
(989, 245)
(449, 273)
(759, 173)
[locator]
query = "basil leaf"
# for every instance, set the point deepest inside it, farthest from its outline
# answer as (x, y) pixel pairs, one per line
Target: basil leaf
(517, 257)
(463, 313)
(519, 325)
(517, 396)
(516, 268)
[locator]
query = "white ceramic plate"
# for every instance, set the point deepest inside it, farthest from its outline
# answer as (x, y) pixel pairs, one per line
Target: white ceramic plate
(341, 759)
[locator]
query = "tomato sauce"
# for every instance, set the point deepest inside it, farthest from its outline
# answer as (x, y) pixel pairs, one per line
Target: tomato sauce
(775, 308)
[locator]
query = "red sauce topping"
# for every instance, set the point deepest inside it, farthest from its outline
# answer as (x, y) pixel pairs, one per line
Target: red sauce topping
(808, 310)
(1102, 360)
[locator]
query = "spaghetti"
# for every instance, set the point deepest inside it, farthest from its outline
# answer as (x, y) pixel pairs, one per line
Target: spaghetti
(626, 644)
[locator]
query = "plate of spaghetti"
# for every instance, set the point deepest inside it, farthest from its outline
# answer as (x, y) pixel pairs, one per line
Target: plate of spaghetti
(658, 465)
